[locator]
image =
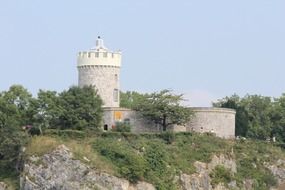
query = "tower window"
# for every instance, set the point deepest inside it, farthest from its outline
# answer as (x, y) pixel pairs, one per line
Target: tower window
(116, 95)
(105, 54)
(97, 54)
(116, 77)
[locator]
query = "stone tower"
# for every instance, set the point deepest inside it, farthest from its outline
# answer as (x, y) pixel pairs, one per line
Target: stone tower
(100, 68)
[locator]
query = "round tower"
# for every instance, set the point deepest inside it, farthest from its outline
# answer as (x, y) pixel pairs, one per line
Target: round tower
(100, 68)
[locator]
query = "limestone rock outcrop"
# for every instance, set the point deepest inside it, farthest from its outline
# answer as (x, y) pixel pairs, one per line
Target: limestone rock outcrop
(3, 186)
(58, 170)
(278, 170)
(201, 179)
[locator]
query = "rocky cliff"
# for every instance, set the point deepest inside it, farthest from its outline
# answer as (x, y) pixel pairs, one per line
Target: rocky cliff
(59, 170)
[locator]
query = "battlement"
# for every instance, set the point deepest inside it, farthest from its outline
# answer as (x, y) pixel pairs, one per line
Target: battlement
(99, 58)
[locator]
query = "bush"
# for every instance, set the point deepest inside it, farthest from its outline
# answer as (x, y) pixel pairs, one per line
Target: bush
(34, 131)
(130, 165)
(221, 175)
(122, 127)
(168, 136)
(66, 133)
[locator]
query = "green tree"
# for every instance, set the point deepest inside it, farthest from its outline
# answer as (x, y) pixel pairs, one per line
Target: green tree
(49, 109)
(130, 99)
(278, 118)
(15, 111)
(80, 108)
(258, 109)
(241, 120)
(253, 114)
(17, 106)
(163, 108)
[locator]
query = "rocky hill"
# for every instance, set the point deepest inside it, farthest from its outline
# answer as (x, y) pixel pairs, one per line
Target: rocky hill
(76, 160)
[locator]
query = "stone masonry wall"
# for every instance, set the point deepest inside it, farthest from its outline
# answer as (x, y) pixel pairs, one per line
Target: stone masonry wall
(220, 121)
(105, 79)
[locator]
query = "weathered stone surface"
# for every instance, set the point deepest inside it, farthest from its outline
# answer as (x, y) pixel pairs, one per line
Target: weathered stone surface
(278, 170)
(58, 170)
(201, 179)
(228, 163)
(220, 121)
(3, 186)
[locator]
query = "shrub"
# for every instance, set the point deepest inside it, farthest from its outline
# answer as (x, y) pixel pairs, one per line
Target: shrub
(122, 127)
(66, 133)
(34, 131)
(221, 175)
(168, 136)
(130, 165)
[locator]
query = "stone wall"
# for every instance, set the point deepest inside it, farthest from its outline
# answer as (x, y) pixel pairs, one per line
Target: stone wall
(220, 121)
(137, 122)
(105, 79)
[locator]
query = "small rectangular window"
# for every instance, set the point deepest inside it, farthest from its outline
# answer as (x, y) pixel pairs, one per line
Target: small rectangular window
(105, 54)
(116, 95)
(97, 54)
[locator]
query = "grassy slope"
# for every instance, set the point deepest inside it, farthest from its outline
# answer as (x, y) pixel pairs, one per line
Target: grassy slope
(157, 158)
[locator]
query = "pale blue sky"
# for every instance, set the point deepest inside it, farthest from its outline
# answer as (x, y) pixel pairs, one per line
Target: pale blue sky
(206, 49)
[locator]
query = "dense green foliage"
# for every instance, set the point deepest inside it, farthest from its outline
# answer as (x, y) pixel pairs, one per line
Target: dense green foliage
(122, 127)
(251, 158)
(162, 108)
(152, 158)
(22, 115)
(257, 117)
(221, 175)
(76, 108)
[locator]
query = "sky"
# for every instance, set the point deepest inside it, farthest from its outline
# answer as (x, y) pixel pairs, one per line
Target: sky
(204, 49)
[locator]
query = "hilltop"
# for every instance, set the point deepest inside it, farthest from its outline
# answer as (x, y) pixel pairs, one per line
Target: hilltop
(164, 161)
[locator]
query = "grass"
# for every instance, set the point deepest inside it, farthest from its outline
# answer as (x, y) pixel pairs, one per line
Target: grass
(158, 158)
(11, 180)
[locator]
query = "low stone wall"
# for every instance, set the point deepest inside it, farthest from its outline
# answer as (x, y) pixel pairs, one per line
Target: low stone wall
(220, 121)
(137, 122)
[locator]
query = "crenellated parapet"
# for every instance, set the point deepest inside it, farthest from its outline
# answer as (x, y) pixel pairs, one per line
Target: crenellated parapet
(99, 58)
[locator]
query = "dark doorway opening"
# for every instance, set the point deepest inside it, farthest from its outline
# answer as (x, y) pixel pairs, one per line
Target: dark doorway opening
(105, 127)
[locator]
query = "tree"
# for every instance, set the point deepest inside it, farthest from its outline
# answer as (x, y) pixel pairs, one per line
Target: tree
(80, 108)
(130, 99)
(163, 108)
(258, 109)
(17, 106)
(241, 118)
(278, 118)
(49, 109)
(15, 111)
(253, 114)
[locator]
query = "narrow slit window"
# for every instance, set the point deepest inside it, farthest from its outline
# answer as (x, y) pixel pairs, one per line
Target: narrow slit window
(116, 95)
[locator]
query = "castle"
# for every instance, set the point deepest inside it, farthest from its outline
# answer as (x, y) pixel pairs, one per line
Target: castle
(100, 68)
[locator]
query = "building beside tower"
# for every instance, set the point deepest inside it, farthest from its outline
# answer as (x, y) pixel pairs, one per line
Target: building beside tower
(100, 68)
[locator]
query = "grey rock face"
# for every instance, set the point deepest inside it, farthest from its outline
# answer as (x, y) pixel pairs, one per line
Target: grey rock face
(58, 171)
(278, 170)
(3, 186)
(201, 179)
